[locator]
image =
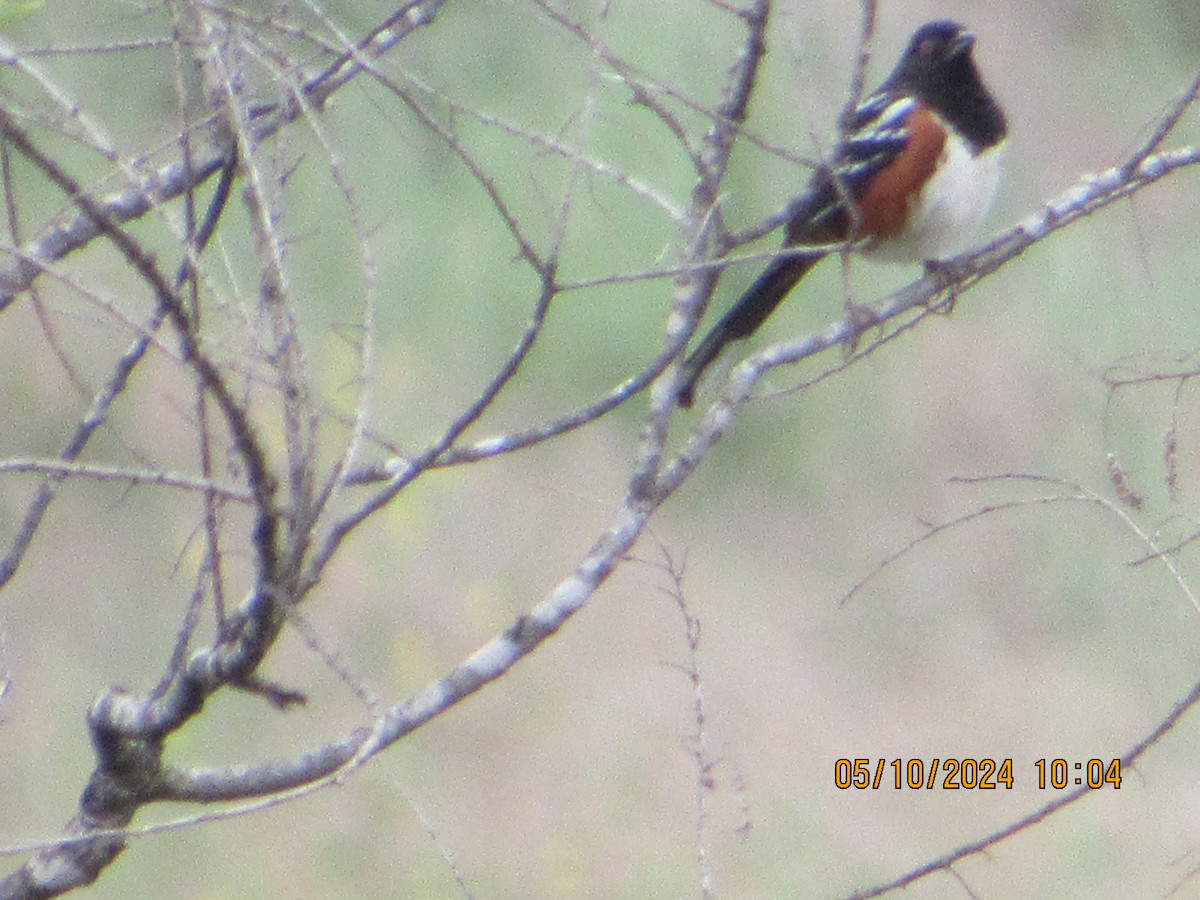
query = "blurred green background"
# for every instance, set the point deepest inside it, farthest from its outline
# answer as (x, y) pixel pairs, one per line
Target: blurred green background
(1022, 635)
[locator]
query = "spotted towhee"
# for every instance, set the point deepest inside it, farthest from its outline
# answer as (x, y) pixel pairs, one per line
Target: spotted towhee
(917, 166)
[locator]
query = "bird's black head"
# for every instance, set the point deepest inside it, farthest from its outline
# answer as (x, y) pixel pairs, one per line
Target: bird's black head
(940, 40)
(939, 52)
(938, 69)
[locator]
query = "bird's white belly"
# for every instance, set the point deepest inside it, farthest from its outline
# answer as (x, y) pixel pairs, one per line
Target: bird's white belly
(951, 206)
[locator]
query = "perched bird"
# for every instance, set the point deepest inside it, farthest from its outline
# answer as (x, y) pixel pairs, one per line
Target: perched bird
(917, 165)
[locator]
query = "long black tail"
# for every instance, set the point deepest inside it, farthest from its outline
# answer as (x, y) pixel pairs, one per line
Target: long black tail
(743, 319)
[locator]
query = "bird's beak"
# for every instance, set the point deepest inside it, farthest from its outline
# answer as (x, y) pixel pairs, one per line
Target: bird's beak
(962, 44)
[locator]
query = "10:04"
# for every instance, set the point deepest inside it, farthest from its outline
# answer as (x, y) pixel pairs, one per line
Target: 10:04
(1095, 773)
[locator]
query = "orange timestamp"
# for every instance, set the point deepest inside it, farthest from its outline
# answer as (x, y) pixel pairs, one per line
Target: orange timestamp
(919, 774)
(1062, 773)
(969, 774)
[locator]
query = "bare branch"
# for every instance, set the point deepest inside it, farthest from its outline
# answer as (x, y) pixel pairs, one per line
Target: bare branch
(68, 469)
(155, 188)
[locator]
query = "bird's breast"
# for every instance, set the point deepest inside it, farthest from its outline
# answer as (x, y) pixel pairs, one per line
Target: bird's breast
(949, 208)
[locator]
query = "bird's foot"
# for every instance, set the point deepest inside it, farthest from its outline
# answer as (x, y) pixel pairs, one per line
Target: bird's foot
(948, 274)
(859, 318)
